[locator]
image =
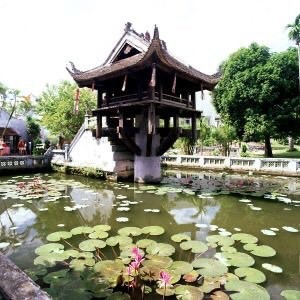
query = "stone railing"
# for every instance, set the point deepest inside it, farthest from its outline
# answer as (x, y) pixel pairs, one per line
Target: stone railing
(24, 162)
(282, 166)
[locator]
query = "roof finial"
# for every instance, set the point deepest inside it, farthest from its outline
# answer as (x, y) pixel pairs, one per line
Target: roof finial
(156, 33)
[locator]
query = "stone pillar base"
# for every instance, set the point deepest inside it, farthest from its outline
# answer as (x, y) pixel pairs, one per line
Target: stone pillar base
(147, 169)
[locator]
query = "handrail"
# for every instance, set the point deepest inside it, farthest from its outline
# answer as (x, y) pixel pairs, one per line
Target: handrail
(77, 137)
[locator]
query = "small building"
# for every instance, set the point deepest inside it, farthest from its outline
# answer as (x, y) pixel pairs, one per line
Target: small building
(16, 130)
(143, 91)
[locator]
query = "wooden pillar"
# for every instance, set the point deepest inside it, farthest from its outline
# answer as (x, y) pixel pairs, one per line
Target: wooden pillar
(167, 122)
(161, 91)
(151, 119)
(194, 127)
(193, 98)
(99, 127)
(121, 121)
(176, 121)
(99, 98)
(187, 97)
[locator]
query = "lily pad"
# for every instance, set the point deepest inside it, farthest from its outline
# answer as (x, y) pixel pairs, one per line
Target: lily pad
(161, 249)
(220, 240)
(59, 235)
(246, 290)
(181, 267)
(290, 294)
(127, 231)
(163, 262)
(209, 267)
(98, 235)
(153, 230)
(79, 264)
(272, 268)
(263, 251)
(91, 245)
(179, 237)
(268, 232)
(290, 229)
(81, 230)
(144, 243)
(191, 276)
(55, 276)
(189, 292)
(237, 259)
(48, 248)
(245, 238)
(118, 239)
(102, 227)
(194, 246)
(49, 259)
(169, 291)
(250, 275)
(219, 295)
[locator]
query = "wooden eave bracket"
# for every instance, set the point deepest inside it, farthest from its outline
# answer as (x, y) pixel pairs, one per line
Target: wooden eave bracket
(128, 141)
(168, 141)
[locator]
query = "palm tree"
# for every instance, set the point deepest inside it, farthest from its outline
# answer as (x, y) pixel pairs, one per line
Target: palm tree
(294, 35)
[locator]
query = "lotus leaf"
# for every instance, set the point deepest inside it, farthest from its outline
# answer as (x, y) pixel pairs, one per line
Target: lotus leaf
(180, 237)
(209, 284)
(122, 219)
(189, 292)
(263, 251)
(118, 296)
(181, 267)
(249, 247)
(274, 229)
(290, 229)
(272, 268)
(209, 267)
(118, 239)
(153, 230)
(98, 235)
(237, 259)
(49, 259)
(165, 291)
(81, 230)
(158, 261)
(79, 264)
(36, 271)
(250, 274)
(71, 253)
(219, 295)
(150, 273)
(161, 249)
(126, 231)
(290, 294)
(144, 243)
(195, 246)
(228, 249)
(48, 248)
(91, 245)
(191, 276)
(245, 238)
(59, 235)
(85, 255)
(107, 267)
(268, 232)
(55, 276)
(220, 240)
(102, 227)
(246, 290)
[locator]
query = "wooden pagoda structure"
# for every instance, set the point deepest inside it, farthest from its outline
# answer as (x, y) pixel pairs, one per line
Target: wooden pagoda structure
(143, 91)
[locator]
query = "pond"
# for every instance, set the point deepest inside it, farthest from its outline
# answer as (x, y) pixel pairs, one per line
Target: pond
(198, 205)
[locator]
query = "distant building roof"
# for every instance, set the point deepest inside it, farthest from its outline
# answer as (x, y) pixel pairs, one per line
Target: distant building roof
(120, 62)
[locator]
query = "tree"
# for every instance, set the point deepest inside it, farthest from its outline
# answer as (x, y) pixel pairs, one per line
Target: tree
(294, 35)
(56, 106)
(33, 128)
(257, 94)
(224, 135)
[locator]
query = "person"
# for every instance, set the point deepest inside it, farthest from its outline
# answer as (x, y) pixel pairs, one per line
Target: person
(21, 147)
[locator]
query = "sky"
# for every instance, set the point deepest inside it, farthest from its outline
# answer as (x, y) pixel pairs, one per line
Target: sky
(39, 37)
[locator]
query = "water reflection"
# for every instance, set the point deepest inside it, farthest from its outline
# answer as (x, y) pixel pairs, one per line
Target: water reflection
(96, 202)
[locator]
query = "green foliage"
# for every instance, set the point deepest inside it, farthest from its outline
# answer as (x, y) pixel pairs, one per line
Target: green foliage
(294, 30)
(186, 145)
(224, 135)
(257, 94)
(56, 107)
(33, 128)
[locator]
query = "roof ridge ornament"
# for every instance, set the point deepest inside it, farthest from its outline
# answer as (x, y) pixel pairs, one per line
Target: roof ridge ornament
(72, 67)
(156, 33)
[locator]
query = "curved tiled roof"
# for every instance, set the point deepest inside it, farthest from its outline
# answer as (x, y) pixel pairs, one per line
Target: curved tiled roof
(138, 60)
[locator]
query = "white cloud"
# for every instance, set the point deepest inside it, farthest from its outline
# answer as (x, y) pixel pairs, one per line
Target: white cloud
(39, 37)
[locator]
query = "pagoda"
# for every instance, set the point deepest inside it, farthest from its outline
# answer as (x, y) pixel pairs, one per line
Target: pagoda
(142, 92)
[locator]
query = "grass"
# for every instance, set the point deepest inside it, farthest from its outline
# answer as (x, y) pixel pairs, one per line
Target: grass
(278, 152)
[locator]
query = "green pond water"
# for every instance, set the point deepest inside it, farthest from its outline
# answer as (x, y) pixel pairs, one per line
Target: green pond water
(183, 203)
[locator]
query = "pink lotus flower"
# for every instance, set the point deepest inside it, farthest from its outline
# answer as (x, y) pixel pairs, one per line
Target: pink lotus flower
(165, 278)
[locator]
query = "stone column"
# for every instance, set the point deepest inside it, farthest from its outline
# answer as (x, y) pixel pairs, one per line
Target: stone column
(147, 169)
